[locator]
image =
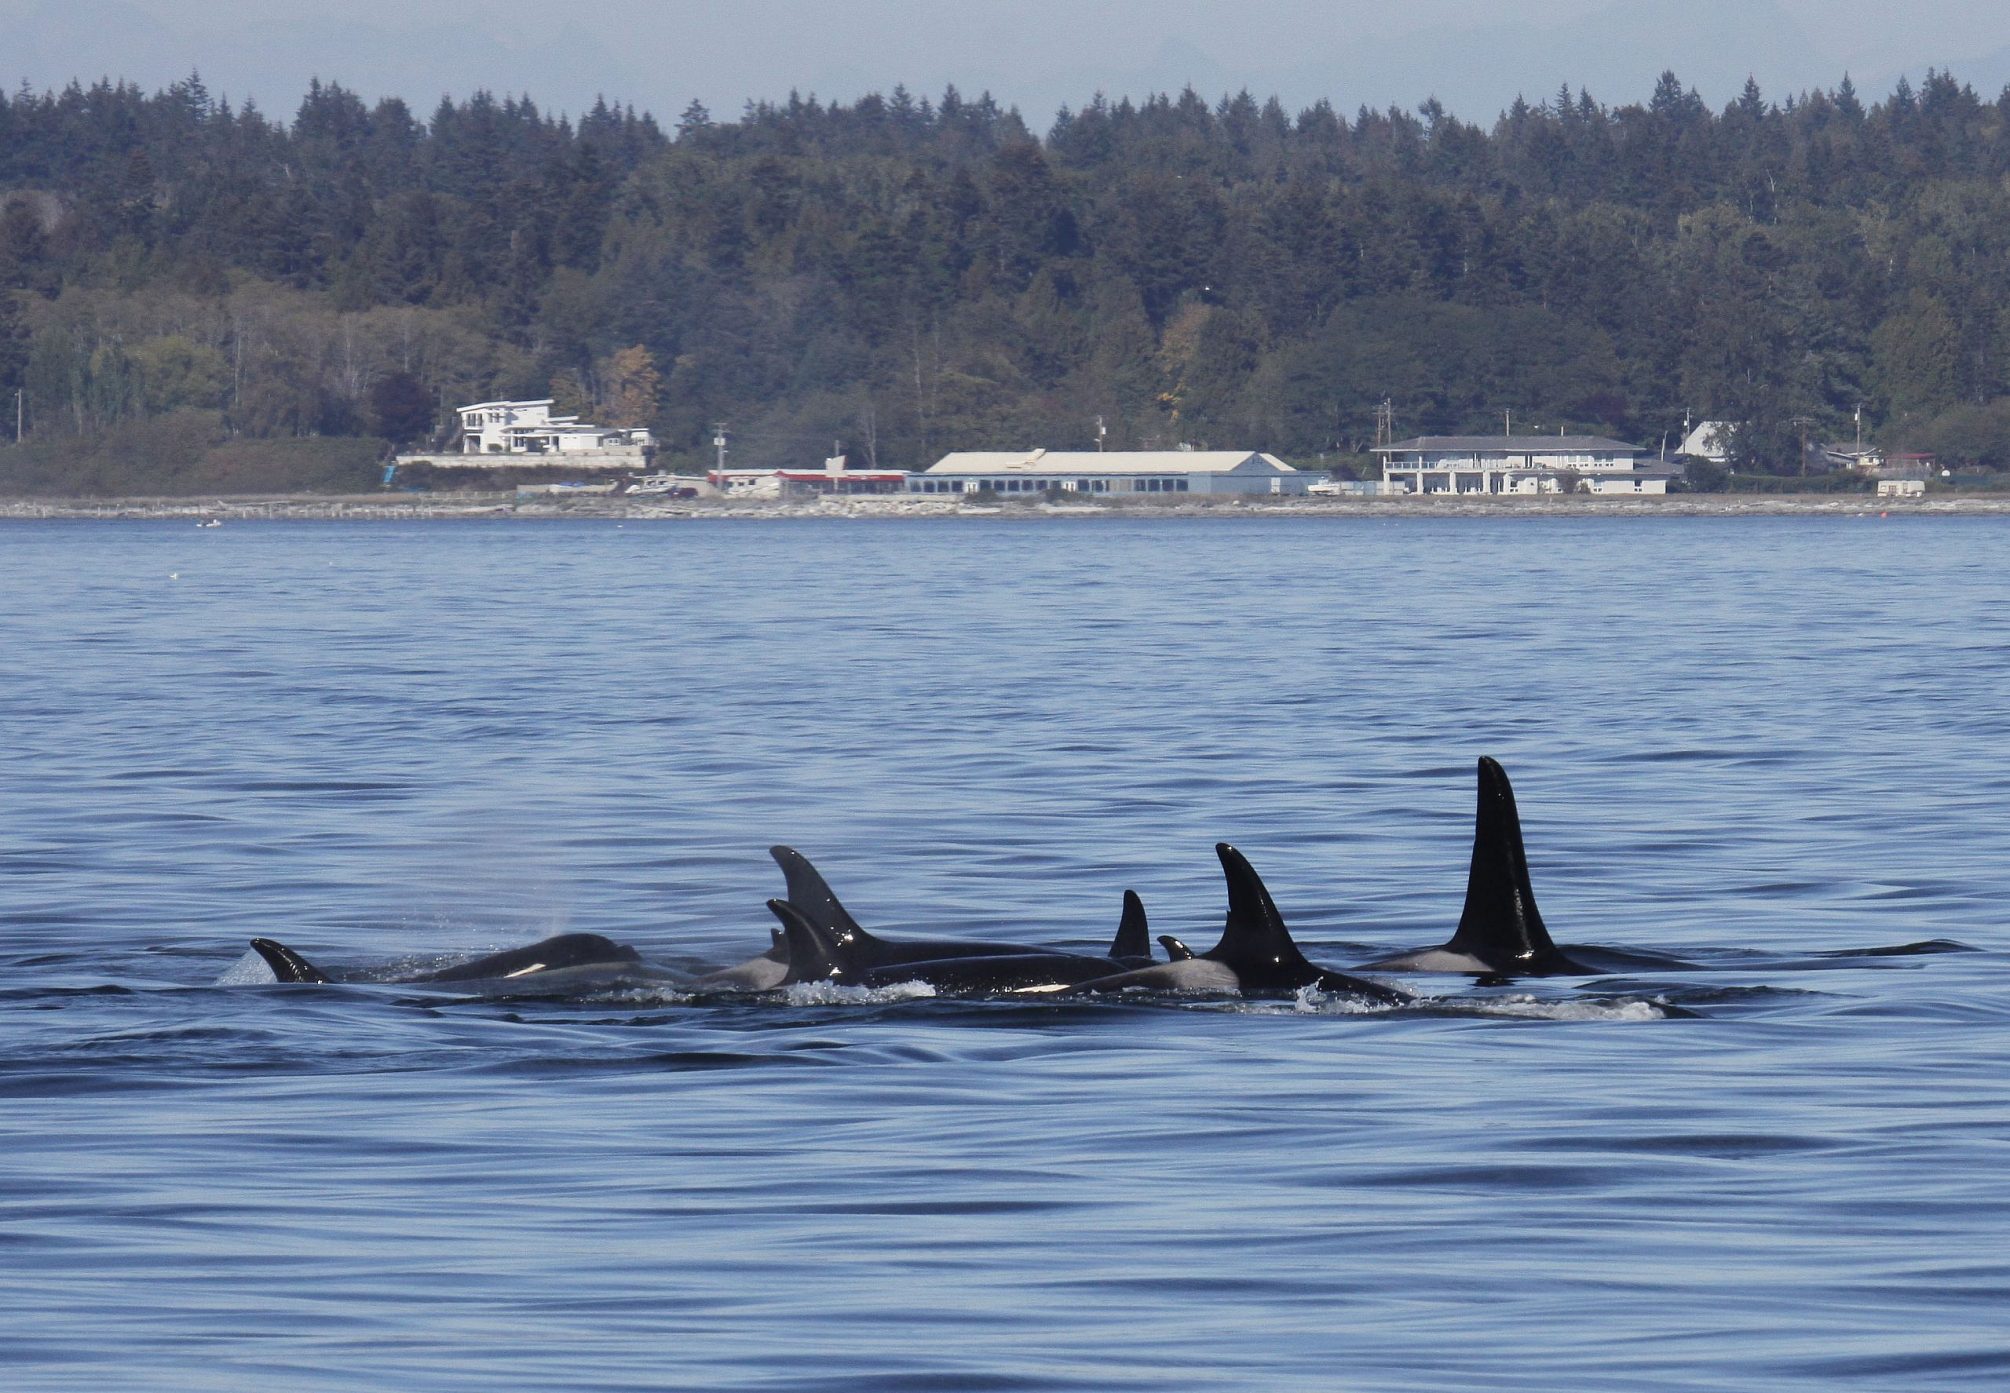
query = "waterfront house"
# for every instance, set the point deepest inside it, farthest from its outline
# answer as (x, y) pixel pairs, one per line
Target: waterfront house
(1865, 459)
(1709, 440)
(529, 428)
(1521, 464)
(1104, 473)
(524, 434)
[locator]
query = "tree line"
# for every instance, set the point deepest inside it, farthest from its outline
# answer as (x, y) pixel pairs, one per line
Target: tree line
(906, 275)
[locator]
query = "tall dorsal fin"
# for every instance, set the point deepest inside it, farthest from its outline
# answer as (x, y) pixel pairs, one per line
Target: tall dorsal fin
(1134, 939)
(812, 897)
(1176, 952)
(1500, 924)
(813, 954)
(1254, 938)
(287, 965)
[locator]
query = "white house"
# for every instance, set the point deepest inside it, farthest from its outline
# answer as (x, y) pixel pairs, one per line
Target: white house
(1122, 473)
(1520, 464)
(524, 434)
(529, 428)
(1901, 488)
(1710, 440)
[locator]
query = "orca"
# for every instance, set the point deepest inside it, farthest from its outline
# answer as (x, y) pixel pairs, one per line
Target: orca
(1133, 944)
(817, 954)
(813, 899)
(1500, 932)
(1256, 953)
(813, 952)
(575, 955)
(761, 973)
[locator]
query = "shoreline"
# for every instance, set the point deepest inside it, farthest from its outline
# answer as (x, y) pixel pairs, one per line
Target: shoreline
(381, 508)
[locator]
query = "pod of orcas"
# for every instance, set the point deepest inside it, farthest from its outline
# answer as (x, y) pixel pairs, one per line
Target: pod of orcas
(1500, 935)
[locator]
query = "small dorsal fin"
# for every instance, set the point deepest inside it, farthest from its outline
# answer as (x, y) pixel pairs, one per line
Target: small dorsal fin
(1500, 924)
(1134, 938)
(1176, 952)
(1253, 937)
(287, 965)
(812, 897)
(812, 952)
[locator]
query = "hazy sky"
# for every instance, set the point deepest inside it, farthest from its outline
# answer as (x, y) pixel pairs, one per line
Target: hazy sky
(1473, 55)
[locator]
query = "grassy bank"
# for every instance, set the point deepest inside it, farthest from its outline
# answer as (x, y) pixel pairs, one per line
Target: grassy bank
(186, 454)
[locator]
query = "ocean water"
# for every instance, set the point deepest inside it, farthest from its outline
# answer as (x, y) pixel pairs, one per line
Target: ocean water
(1755, 744)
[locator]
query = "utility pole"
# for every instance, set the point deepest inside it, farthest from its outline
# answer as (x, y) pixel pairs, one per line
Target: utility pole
(17, 415)
(1385, 422)
(719, 444)
(1102, 433)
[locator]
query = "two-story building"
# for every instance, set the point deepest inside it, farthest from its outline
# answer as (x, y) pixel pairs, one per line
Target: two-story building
(525, 435)
(1521, 464)
(529, 428)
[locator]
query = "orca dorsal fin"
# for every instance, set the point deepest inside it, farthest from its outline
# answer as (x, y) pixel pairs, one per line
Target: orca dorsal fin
(812, 897)
(1176, 952)
(813, 954)
(1500, 924)
(1254, 939)
(1134, 939)
(287, 965)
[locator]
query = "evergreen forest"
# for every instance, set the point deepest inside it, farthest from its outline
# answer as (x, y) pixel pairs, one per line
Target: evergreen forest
(185, 282)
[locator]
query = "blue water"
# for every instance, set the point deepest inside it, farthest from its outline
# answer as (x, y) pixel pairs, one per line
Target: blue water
(1746, 742)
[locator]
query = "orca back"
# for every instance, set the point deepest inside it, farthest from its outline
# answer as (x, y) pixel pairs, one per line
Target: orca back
(1133, 943)
(1000, 973)
(813, 952)
(287, 965)
(811, 894)
(1254, 941)
(1259, 949)
(1500, 924)
(821, 908)
(564, 950)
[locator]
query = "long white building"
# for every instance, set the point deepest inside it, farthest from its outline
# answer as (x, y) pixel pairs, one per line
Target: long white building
(1508, 464)
(1123, 473)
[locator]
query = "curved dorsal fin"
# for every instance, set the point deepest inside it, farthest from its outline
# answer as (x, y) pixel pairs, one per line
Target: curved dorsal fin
(1254, 938)
(813, 899)
(1134, 938)
(1500, 924)
(812, 953)
(287, 965)
(1176, 952)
